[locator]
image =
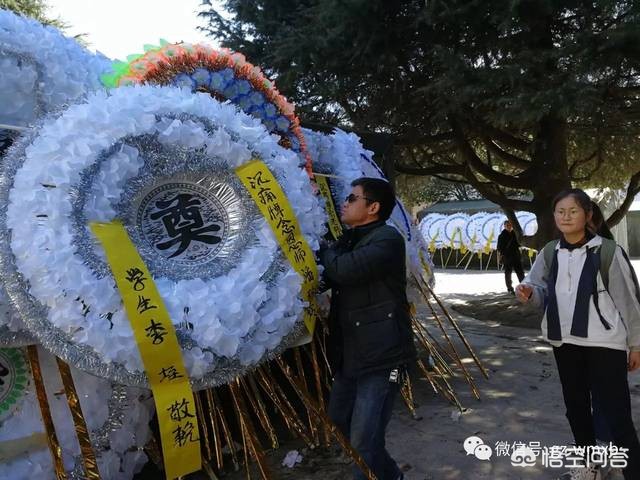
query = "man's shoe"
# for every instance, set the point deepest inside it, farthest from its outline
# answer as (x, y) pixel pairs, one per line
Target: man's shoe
(582, 473)
(511, 291)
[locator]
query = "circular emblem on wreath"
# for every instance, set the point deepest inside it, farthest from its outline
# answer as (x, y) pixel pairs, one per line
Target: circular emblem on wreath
(14, 375)
(183, 222)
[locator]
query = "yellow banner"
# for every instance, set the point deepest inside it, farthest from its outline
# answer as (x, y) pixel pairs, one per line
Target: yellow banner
(432, 243)
(159, 349)
(276, 209)
(487, 247)
(335, 227)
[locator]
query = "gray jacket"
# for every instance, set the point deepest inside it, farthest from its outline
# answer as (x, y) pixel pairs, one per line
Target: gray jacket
(369, 321)
(619, 304)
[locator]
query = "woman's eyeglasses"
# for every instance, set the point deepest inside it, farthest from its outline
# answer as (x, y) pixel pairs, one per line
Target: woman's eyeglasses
(352, 197)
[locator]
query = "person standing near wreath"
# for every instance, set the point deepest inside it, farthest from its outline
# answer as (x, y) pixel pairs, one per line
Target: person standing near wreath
(370, 340)
(591, 300)
(509, 252)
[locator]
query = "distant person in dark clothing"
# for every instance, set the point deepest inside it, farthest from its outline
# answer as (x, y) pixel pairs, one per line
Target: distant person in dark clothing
(509, 255)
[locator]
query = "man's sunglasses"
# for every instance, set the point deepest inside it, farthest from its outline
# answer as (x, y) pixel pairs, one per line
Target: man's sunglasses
(352, 197)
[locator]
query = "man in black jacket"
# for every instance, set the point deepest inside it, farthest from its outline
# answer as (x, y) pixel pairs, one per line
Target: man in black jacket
(509, 253)
(370, 338)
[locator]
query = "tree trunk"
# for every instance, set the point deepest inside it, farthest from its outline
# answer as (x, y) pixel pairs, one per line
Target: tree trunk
(550, 175)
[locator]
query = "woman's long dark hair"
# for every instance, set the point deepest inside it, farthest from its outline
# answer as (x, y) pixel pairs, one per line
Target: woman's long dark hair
(597, 225)
(598, 222)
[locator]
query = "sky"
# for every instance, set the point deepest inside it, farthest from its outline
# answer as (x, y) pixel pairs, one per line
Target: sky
(118, 28)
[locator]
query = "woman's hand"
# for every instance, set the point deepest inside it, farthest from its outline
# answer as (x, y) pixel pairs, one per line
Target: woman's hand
(634, 361)
(524, 292)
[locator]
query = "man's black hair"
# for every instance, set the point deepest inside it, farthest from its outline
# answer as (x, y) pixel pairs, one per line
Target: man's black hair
(378, 190)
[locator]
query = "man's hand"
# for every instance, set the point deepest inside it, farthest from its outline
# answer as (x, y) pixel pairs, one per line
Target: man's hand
(634, 361)
(524, 292)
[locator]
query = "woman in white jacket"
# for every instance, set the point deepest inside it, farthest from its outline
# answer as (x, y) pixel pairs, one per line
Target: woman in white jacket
(592, 320)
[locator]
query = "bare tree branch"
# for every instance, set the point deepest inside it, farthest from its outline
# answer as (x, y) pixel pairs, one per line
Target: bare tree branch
(500, 135)
(454, 180)
(492, 192)
(575, 164)
(482, 168)
(511, 159)
(632, 190)
(409, 140)
(599, 163)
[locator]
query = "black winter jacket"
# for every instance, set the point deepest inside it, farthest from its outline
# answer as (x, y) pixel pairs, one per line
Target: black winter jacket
(369, 321)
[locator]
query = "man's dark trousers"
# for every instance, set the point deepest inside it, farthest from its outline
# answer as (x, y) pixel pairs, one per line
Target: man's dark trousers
(369, 336)
(512, 265)
(361, 408)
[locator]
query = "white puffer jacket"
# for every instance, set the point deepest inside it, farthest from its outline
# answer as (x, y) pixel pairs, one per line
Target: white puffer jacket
(619, 306)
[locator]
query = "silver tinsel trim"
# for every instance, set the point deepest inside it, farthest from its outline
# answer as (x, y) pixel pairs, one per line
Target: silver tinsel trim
(83, 356)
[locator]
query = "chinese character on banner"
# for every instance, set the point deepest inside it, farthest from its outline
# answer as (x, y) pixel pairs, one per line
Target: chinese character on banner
(136, 277)
(144, 304)
(183, 434)
(179, 410)
(156, 332)
(266, 196)
(275, 211)
(257, 180)
(169, 373)
(183, 223)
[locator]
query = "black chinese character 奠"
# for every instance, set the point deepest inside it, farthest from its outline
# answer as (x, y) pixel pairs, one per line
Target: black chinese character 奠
(183, 223)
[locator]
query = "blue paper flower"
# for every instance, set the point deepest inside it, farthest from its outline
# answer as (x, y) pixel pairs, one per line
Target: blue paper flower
(231, 91)
(202, 77)
(244, 87)
(282, 123)
(185, 81)
(257, 98)
(218, 82)
(270, 110)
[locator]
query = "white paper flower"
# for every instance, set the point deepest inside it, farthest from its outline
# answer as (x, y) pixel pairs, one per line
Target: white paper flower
(238, 316)
(343, 155)
(42, 69)
(118, 447)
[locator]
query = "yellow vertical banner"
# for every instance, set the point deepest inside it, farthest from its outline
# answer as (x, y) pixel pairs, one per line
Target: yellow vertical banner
(158, 344)
(276, 209)
(335, 227)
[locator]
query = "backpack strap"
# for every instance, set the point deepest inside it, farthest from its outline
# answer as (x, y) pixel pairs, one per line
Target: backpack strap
(547, 253)
(607, 252)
